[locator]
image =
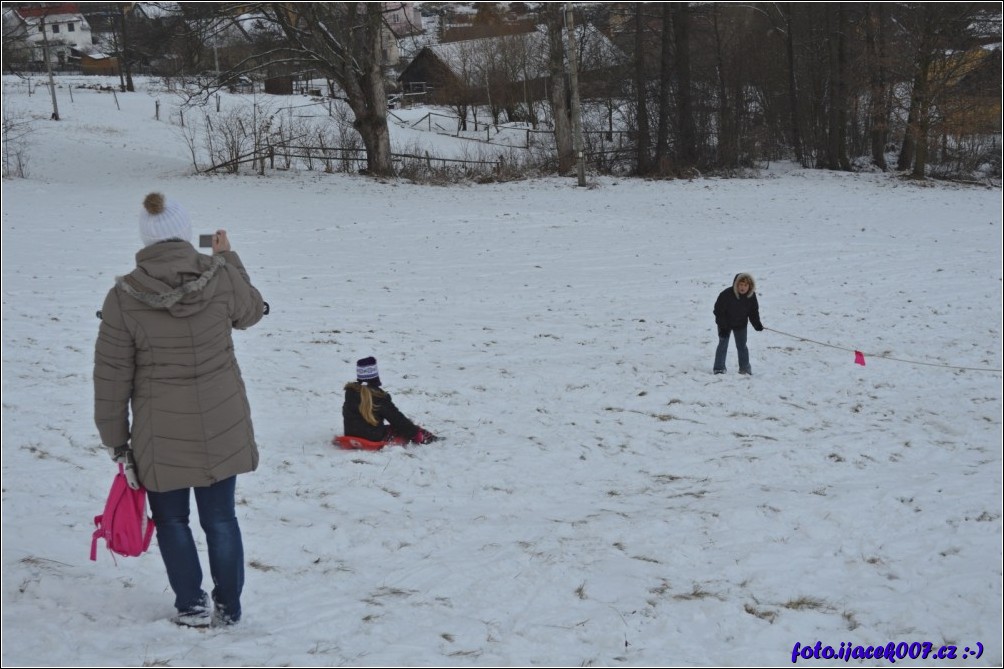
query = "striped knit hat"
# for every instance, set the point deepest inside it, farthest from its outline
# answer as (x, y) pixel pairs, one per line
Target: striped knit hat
(163, 219)
(366, 371)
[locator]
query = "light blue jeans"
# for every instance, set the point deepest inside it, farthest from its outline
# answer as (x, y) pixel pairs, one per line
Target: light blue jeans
(223, 536)
(723, 349)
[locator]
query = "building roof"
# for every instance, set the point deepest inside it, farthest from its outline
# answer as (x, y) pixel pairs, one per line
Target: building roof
(596, 50)
(49, 10)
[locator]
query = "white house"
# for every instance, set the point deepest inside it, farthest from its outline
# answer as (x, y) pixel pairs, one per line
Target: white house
(62, 26)
(403, 18)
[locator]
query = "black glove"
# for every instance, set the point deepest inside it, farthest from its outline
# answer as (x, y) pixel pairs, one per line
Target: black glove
(758, 327)
(118, 454)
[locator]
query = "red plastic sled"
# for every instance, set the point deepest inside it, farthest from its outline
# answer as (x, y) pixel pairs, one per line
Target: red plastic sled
(358, 443)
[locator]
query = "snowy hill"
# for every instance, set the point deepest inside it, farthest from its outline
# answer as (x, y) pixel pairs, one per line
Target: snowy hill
(600, 498)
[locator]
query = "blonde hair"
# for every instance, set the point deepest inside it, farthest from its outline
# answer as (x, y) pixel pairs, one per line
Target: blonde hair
(366, 405)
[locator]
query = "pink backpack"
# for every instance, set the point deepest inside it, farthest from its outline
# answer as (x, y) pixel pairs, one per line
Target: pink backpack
(124, 525)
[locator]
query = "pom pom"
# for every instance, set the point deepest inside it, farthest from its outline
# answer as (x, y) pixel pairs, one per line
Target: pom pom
(154, 203)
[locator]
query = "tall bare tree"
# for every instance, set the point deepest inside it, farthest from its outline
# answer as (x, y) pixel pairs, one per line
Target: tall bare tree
(878, 99)
(686, 140)
(644, 162)
(554, 15)
(793, 97)
(937, 33)
(664, 108)
(344, 40)
(836, 145)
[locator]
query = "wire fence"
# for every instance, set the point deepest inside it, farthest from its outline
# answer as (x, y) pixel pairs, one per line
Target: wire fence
(338, 159)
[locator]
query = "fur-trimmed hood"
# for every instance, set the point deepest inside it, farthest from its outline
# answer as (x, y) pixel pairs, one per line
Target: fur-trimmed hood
(173, 276)
(749, 279)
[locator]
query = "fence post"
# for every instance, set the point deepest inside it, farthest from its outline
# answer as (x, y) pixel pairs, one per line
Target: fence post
(156, 110)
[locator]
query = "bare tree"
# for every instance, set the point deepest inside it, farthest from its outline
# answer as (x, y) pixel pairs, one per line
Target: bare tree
(17, 127)
(836, 145)
(665, 90)
(554, 16)
(936, 34)
(16, 49)
(686, 142)
(641, 80)
(878, 99)
(458, 92)
(344, 41)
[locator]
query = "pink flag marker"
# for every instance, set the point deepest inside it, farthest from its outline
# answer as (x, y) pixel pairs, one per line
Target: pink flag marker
(859, 358)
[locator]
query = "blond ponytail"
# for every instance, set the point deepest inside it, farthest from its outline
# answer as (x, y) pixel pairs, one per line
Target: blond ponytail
(366, 405)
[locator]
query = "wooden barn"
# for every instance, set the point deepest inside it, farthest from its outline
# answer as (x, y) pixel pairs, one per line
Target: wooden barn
(99, 63)
(499, 69)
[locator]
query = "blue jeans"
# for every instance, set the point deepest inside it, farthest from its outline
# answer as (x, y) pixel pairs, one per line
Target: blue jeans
(723, 349)
(223, 537)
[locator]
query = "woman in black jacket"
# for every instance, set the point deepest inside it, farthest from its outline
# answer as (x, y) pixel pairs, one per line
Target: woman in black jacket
(369, 413)
(735, 307)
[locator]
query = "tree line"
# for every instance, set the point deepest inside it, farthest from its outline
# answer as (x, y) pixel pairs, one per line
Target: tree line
(716, 86)
(698, 87)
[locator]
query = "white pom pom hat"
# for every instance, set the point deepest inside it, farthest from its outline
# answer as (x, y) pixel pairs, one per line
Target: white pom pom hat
(163, 219)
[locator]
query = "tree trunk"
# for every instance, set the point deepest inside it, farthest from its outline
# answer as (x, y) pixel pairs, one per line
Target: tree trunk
(919, 119)
(922, 122)
(559, 94)
(836, 146)
(843, 161)
(727, 142)
(644, 157)
(796, 120)
(662, 155)
(877, 105)
(371, 117)
(908, 148)
(126, 63)
(686, 127)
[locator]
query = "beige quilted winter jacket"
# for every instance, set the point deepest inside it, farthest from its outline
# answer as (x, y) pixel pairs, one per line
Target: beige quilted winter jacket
(165, 351)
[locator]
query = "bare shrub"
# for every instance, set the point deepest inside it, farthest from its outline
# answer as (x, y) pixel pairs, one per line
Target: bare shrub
(17, 128)
(231, 137)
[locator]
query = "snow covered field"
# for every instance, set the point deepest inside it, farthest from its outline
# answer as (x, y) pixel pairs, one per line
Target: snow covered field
(600, 497)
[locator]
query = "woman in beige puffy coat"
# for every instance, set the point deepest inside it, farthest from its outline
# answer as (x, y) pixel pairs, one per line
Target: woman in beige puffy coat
(169, 396)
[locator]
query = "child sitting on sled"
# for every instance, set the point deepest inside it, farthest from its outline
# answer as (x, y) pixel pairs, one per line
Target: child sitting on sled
(369, 413)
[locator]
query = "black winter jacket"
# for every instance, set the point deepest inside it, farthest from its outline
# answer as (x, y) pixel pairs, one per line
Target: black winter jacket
(733, 311)
(383, 410)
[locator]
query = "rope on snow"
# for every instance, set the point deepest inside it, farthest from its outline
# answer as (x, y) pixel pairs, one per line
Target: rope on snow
(860, 357)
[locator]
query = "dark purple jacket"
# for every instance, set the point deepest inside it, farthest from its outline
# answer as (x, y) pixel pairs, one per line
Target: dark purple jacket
(733, 311)
(384, 411)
